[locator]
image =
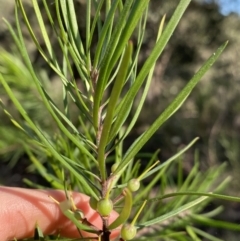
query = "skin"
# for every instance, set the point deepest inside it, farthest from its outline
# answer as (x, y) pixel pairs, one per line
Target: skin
(21, 209)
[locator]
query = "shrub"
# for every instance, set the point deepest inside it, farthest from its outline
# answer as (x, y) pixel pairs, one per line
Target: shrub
(100, 81)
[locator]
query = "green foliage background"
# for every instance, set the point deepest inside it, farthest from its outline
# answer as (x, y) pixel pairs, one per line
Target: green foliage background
(211, 112)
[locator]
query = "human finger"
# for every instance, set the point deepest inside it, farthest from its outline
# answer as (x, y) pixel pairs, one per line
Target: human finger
(22, 209)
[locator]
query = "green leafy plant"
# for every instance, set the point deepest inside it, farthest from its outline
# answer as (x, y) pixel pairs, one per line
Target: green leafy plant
(88, 139)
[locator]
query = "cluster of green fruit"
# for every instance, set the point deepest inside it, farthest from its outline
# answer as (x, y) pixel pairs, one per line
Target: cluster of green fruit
(104, 207)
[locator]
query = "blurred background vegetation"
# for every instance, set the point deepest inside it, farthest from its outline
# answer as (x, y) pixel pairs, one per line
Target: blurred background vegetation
(212, 111)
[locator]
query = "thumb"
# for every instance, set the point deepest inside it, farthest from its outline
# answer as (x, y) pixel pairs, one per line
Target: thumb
(21, 209)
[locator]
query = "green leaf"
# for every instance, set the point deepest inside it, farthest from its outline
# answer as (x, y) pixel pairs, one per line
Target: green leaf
(38, 234)
(43, 171)
(145, 90)
(160, 171)
(205, 234)
(103, 33)
(42, 27)
(117, 88)
(88, 23)
(134, 16)
(78, 223)
(51, 61)
(70, 20)
(215, 223)
(104, 71)
(192, 234)
(40, 134)
(149, 63)
(170, 110)
(95, 20)
(216, 196)
(123, 115)
(172, 213)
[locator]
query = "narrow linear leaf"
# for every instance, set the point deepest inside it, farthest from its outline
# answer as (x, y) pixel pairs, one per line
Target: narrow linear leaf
(126, 210)
(124, 114)
(104, 30)
(156, 52)
(24, 53)
(146, 88)
(42, 27)
(88, 23)
(42, 170)
(11, 117)
(192, 234)
(38, 234)
(137, 11)
(173, 213)
(52, 62)
(214, 195)
(170, 110)
(78, 223)
(117, 88)
(102, 80)
(95, 20)
(205, 235)
(215, 223)
(39, 133)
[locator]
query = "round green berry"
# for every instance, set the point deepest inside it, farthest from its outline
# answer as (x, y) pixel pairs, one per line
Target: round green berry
(93, 203)
(128, 232)
(104, 207)
(114, 167)
(133, 185)
(78, 214)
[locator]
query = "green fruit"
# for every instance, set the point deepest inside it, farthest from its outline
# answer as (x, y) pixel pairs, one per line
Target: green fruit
(133, 185)
(114, 167)
(93, 203)
(128, 232)
(78, 214)
(104, 207)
